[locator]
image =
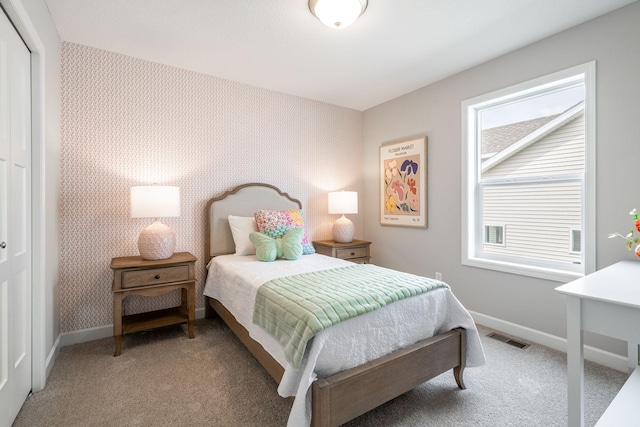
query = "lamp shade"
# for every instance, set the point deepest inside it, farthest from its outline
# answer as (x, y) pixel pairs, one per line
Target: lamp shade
(155, 201)
(337, 13)
(343, 202)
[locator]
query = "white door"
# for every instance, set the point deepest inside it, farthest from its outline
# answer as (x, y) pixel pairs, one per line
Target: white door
(15, 222)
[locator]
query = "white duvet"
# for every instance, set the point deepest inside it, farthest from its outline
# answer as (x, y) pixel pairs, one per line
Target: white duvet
(233, 280)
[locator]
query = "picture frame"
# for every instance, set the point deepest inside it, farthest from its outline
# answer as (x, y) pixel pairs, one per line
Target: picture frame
(403, 183)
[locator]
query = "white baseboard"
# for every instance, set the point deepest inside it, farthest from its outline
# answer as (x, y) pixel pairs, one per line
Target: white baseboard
(601, 357)
(48, 365)
(592, 354)
(99, 332)
(51, 358)
(85, 335)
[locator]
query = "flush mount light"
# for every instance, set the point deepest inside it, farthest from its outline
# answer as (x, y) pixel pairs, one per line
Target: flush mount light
(337, 13)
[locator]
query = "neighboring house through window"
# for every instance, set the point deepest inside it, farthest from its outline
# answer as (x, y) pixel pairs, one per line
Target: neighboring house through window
(528, 176)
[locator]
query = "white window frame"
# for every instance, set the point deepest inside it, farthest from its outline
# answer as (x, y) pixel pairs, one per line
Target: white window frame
(472, 254)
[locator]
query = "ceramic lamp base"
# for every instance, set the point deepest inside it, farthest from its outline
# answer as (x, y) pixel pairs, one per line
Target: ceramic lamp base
(157, 241)
(343, 230)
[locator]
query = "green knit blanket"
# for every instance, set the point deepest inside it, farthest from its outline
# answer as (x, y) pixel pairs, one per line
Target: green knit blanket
(295, 308)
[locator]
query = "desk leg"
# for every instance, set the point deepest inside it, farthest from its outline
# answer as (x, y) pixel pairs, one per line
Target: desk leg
(117, 322)
(575, 362)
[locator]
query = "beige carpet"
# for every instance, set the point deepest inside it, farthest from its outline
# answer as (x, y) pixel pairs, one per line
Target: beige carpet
(164, 379)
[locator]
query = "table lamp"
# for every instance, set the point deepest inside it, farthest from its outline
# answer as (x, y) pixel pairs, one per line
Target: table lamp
(158, 240)
(341, 203)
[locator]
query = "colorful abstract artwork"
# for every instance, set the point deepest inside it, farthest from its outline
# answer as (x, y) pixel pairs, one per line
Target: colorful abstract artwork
(403, 183)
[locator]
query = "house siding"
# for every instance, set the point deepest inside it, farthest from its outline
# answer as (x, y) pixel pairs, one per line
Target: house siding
(539, 217)
(560, 152)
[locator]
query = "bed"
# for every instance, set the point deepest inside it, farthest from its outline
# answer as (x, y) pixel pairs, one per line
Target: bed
(351, 367)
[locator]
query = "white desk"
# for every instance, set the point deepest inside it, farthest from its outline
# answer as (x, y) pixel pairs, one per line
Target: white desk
(606, 302)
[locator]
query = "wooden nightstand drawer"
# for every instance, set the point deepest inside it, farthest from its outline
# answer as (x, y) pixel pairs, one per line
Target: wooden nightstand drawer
(156, 276)
(347, 253)
(356, 251)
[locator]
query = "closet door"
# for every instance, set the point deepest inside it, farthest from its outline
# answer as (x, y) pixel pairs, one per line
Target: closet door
(15, 222)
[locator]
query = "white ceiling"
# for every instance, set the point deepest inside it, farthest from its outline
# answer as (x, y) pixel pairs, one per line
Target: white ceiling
(395, 47)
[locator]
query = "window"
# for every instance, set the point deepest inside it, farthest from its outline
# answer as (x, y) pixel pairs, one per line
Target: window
(575, 240)
(493, 234)
(528, 165)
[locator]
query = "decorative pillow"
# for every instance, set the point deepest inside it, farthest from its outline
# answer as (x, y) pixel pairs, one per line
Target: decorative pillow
(276, 223)
(268, 248)
(241, 227)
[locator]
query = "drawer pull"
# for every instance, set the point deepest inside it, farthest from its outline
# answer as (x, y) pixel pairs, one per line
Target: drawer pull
(157, 276)
(353, 253)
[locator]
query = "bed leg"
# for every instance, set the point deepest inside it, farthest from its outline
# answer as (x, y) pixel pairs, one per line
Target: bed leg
(457, 373)
(458, 370)
(209, 312)
(321, 403)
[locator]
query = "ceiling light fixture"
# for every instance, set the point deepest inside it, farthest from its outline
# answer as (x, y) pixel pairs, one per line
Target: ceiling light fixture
(337, 13)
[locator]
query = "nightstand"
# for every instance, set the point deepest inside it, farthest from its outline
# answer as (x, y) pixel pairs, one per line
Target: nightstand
(356, 251)
(135, 276)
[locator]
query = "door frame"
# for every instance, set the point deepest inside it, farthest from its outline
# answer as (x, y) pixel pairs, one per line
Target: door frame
(20, 19)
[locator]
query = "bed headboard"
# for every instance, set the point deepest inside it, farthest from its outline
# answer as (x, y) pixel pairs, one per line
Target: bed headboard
(243, 200)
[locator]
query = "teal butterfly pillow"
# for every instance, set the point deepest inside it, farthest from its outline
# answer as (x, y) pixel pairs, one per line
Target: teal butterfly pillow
(268, 248)
(276, 223)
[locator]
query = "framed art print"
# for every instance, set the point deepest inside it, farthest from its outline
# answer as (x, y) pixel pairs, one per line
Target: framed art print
(403, 183)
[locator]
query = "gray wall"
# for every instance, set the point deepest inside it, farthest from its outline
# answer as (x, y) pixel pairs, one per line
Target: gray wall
(613, 41)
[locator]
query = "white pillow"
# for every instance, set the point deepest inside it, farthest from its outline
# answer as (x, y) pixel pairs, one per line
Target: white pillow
(241, 227)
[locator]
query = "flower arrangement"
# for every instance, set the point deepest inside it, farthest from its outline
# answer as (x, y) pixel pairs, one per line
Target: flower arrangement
(630, 238)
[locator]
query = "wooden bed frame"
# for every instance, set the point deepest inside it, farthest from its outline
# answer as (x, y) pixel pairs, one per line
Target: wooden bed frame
(348, 394)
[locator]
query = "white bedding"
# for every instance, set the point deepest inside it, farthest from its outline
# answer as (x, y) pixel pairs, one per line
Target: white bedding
(233, 280)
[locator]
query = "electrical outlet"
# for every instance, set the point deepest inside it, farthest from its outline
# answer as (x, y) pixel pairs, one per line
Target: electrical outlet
(438, 275)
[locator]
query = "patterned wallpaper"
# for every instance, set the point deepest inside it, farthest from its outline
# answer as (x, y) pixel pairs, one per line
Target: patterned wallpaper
(126, 122)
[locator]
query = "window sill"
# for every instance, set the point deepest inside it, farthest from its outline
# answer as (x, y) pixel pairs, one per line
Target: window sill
(546, 273)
